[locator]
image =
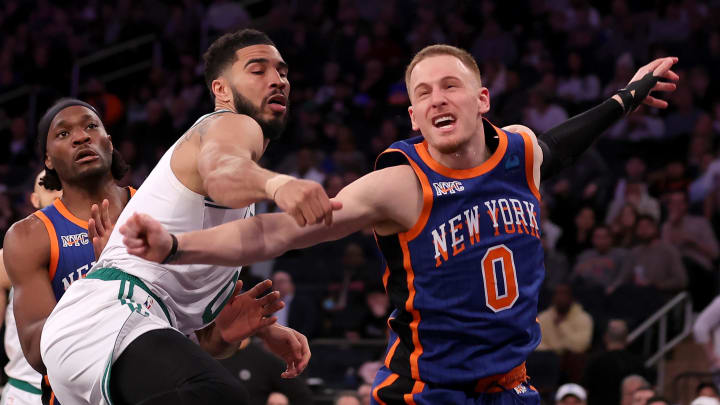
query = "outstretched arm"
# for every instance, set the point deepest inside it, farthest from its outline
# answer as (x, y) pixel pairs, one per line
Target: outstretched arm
(562, 145)
(390, 198)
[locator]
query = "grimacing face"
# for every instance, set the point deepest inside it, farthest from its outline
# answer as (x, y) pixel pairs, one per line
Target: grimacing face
(259, 75)
(448, 101)
(77, 145)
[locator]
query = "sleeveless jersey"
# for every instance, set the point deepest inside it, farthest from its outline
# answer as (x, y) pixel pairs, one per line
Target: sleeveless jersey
(71, 257)
(193, 294)
(464, 280)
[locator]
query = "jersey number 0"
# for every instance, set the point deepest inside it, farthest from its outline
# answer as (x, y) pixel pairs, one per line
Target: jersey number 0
(498, 270)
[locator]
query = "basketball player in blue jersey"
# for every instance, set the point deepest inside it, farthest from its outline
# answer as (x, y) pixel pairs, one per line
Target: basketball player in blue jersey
(456, 215)
(23, 386)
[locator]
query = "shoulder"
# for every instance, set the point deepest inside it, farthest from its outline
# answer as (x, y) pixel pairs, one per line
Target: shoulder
(26, 236)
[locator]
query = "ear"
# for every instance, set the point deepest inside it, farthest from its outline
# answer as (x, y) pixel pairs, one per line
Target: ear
(483, 100)
(221, 89)
(35, 200)
(112, 147)
(415, 127)
(48, 163)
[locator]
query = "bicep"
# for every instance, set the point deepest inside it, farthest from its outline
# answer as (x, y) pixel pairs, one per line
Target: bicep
(28, 271)
(229, 138)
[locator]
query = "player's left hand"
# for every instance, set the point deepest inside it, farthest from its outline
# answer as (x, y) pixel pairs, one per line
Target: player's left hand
(245, 314)
(646, 81)
(100, 226)
(290, 345)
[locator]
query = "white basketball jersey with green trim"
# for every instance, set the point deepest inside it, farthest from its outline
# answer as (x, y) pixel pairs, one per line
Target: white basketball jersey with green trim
(194, 294)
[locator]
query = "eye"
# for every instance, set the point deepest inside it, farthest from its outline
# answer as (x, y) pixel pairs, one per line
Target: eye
(62, 134)
(258, 72)
(92, 125)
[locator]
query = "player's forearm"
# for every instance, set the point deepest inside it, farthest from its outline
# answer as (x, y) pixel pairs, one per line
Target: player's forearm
(236, 182)
(30, 334)
(563, 144)
(212, 342)
(239, 242)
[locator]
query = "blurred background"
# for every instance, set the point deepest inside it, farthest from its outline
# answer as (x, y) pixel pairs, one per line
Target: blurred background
(630, 232)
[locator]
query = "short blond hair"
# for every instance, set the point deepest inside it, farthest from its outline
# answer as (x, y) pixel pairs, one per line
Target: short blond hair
(434, 50)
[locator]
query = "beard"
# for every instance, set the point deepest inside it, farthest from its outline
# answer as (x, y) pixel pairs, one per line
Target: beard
(272, 129)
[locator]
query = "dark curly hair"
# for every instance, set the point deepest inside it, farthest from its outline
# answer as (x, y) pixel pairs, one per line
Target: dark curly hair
(221, 52)
(51, 180)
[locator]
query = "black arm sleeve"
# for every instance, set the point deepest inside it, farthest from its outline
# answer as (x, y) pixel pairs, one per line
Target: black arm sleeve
(563, 144)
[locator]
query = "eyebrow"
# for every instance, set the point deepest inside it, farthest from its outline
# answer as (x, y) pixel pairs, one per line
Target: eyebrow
(281, 64)
(444, 78)
(63, 123)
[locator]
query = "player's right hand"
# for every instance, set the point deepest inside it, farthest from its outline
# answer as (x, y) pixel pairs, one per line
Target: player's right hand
(146, 238)
(306, 201)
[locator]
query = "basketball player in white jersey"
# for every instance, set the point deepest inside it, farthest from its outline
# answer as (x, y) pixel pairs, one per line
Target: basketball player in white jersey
(115, 336)
(23, 387)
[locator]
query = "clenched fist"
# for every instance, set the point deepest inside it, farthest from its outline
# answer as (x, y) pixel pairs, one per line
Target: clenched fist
(306, 201)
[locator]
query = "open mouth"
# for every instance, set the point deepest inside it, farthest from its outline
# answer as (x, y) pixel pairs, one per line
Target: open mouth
(277, 102)
(444, 121)
(86, 155)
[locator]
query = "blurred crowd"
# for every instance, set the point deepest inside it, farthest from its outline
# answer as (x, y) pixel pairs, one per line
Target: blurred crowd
(633, 223)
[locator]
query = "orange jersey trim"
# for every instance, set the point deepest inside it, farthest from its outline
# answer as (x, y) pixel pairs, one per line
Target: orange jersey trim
(54, 246)
(391, 352)
(417, 388)
(529, 163)
(418, 349)
(495, 158)
(132, 191)
(389, 380)
(62, 209)
(426, 193)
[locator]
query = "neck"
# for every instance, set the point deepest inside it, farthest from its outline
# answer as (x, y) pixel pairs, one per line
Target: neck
(474, 153)
(78, 198)
(221, 105)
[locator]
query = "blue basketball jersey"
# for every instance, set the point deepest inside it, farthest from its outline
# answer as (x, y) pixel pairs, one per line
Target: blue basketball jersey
(464, 280)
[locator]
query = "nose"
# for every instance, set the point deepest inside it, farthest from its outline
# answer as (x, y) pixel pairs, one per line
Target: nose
(437, 98)
(277, 81)
(80, 137)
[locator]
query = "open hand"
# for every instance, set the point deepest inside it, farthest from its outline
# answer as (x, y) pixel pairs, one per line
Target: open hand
(99, 226)
(660, 68)
(245, 314)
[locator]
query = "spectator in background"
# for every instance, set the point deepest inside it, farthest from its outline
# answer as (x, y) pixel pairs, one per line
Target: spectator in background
(570, 394)
(683, 119)
(639, 126)
(623, 227)
(653, 262)
(376, 313)
(635, 193)
(641, 395)
(556, 271)
(707, 332)
(578, 87)
(364, 393)
(707, 389)
(346, 398)
(109, 105)
(579, 239)
(306, 165)
(694, 238)
(629, 385)
(705, 401)
(299, 312)
(541, 114)
(259, 372)
(606, 370)
(565, 326)
(277, 398)
(601, 265)
(657, 400)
